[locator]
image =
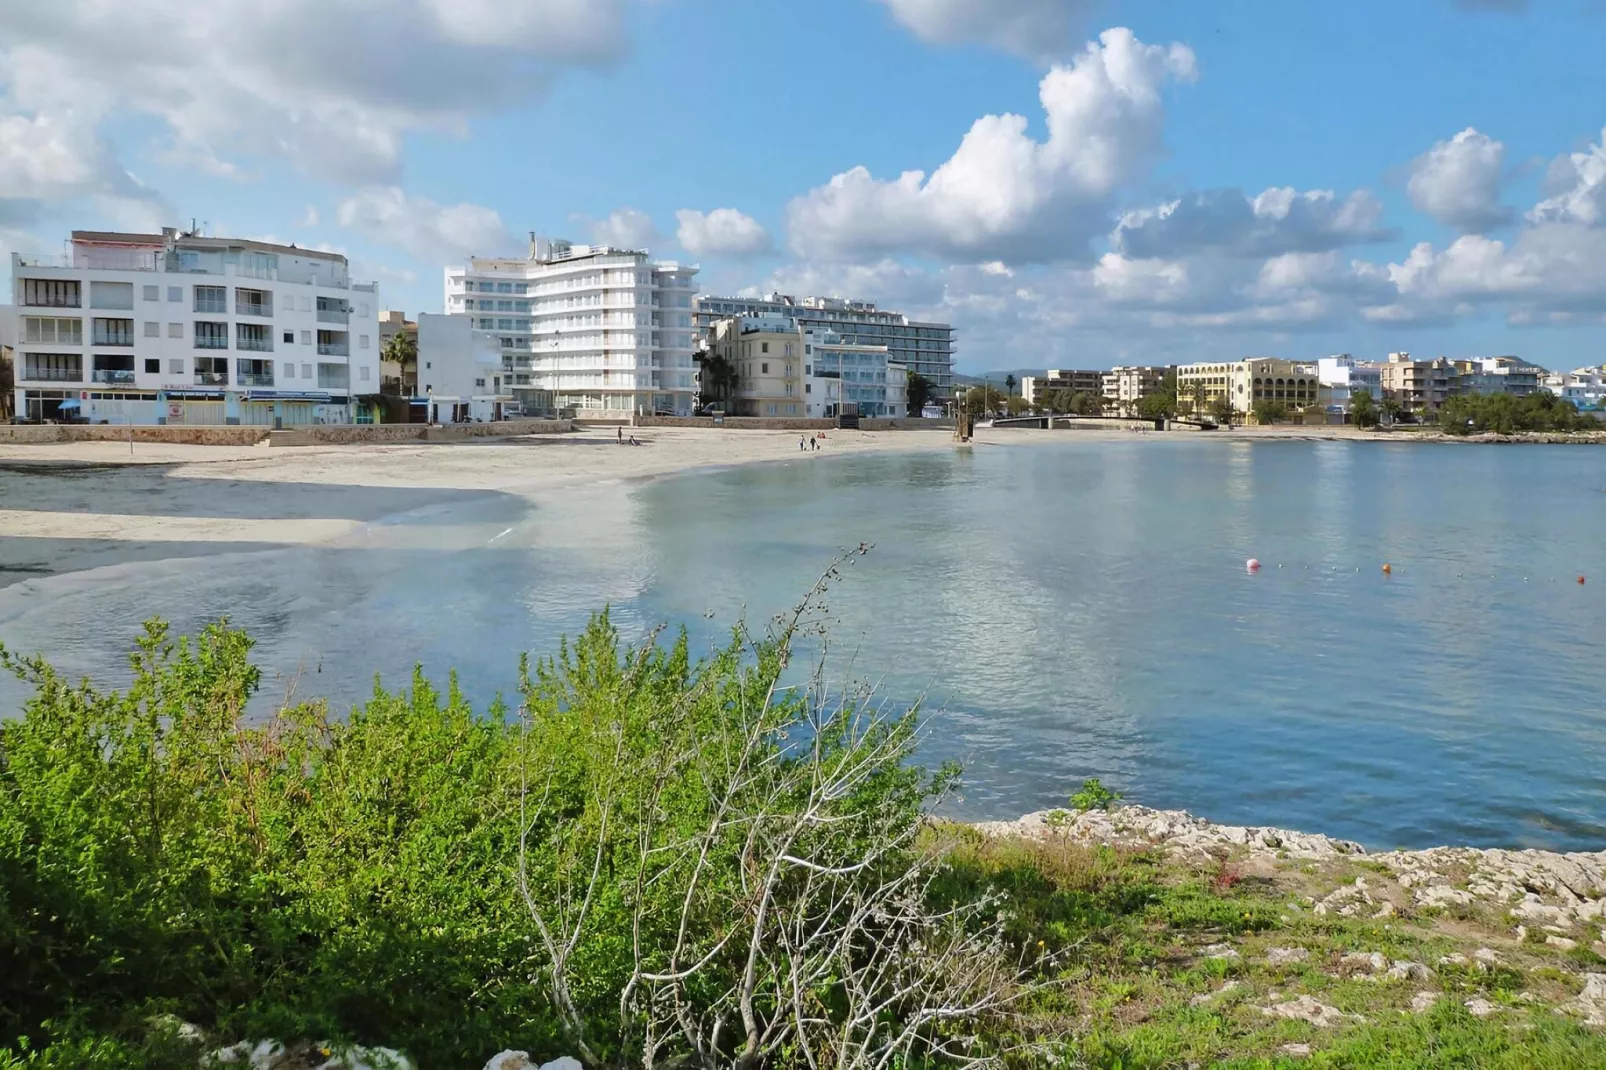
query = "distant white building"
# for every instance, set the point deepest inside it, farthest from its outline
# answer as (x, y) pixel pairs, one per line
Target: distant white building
(1341, 376)
(181, 328)
(841, 372)
(601, 330)
(924, 348)
(460, 370)
(1584, 387)
(1498, 375)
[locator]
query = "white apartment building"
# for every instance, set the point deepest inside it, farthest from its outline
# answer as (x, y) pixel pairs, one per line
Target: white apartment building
(180, 328)
(842, 372)
(460, 370)
(925, 349)
(1341, 375)
(603, 331)
(1125, 385)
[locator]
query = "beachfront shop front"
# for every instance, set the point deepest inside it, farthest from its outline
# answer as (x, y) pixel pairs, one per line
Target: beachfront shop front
(193, 408)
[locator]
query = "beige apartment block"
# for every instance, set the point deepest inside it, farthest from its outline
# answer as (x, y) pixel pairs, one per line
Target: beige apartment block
(768, 357)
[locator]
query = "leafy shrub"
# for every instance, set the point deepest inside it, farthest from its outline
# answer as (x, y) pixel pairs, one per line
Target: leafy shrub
(1094, 796)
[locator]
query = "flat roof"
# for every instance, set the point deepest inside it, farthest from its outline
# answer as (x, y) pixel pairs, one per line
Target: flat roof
(112, 237)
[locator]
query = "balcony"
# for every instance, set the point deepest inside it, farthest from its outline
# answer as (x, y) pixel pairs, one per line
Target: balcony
(211, 378)
(34, 373)
(254, 308)
(334, 349)
(253, 379)
(113, 338)
(112, 377)
(255, 345)
(334, 315)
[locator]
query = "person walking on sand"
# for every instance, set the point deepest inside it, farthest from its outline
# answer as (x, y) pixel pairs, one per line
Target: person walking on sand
(621, 430)
(800, 446)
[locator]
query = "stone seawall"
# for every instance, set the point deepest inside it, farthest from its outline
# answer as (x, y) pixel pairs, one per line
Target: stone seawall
(45, 434)
(789, 423)
(358, 434)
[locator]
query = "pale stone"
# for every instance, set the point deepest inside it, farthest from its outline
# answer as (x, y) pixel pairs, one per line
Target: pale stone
(1424, 1001)
(1298, 1051)
(1385, 909)
(510, 1060)
(1308, 1009)
(367, 1059)
(1282, 956)
(1487, 955)
(1404, 970)
(1365, 960)
(1481, 1008)
(1197, 1001)
(1219, 951)
(1440, 895)
(1522, 933)
(1561, 942)
(1591, 1002)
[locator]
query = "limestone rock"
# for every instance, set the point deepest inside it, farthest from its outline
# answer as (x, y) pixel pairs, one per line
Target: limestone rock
(1481, 1008)
(1404, 970)
(1562, 942)
(1309, 1009)
(1197, 1001)
(1220, 951)
(1282, 956)
(1591, 1002)
(1424, 1001)
(367, 1059)
(1298, 1051)
(1370, 961)
(510, 1060)
(1441, 895)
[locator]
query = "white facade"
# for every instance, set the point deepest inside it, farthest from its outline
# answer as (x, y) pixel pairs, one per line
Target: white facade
(837, 372)
(603, 330)
(1584, 387)
(1341, 375)
(176, 328)
(459, 370)
(926, 349)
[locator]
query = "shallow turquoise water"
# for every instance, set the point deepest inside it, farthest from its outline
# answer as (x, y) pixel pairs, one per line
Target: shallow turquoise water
(1066, 610)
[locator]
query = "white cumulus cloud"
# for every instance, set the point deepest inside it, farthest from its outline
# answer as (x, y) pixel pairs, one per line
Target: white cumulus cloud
(1457, 182)
(724, 231)
(625, 228)
(1004, 195)
(390, 216)
(1579, 182)
(1036, 29)
(1277, 220)
(331, 87)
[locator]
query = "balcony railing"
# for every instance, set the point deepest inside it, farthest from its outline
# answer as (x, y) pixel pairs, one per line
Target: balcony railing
(330, 349)
(53, 375)
(53, 302)
(116, 338)
(256, 345)
(253, 308)
(254, 379)
(333, 382)
(334, 315)
(202, 342)
(114, 378)
(212, 306)
(211, 378)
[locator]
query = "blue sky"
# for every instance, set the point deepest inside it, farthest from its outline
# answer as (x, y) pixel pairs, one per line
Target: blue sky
(1183, 181)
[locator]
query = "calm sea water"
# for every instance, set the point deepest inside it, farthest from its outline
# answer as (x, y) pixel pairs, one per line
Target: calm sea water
(1066, 611)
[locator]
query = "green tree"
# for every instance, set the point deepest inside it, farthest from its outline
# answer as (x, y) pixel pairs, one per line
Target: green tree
(1197, 394)
(1082, 403)
(1009, 383)
(1268, 412)
(1015, 406)
(1221, 409)
(1363, 408)
(1391, 408)
(718, 375)
(1158, 406)
(402, 348)
(1507, 414)
(919, 392)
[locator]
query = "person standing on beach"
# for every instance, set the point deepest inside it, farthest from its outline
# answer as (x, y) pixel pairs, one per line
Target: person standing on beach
(621, 430)
(800, 446)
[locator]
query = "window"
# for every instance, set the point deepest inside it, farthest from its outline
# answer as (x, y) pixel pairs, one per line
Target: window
(111, 295)
(306, 338)
(61, 331)
(306, 304)
(362, 373)
(764, 369)
(175, 293)
(211, 335)
(501, 288)
(175, 366)
(479, 382)
(110, 332)
(764, 347)
(362, 341)
(53, 367)
(153, 366)
(50, 293)
(255, 337)
(289, 370)
(175, 330)
(211, 299)
(428, 364)
(153, 293)
(153, 329)
(306, 371)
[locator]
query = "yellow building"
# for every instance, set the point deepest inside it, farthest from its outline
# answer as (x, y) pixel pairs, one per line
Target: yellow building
(1245, 383)
(767, 354)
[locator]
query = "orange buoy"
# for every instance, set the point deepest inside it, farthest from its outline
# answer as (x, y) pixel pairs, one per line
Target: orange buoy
(1580, 581)
(1388, 569)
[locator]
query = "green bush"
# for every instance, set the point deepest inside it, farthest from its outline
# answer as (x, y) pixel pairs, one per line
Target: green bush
(1507, 414)
(1094, 796)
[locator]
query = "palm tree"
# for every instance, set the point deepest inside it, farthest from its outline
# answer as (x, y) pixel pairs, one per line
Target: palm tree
(1391, 408)
(1199, 393)
(1009, 384)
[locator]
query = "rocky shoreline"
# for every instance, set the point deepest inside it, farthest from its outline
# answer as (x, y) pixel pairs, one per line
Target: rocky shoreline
(1563, 894)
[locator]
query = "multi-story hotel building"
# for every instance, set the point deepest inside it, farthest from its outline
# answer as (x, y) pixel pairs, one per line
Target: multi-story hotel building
(1245, 383)
(585, 327)
(925, 349)
(1123, 386)
(181, 328)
